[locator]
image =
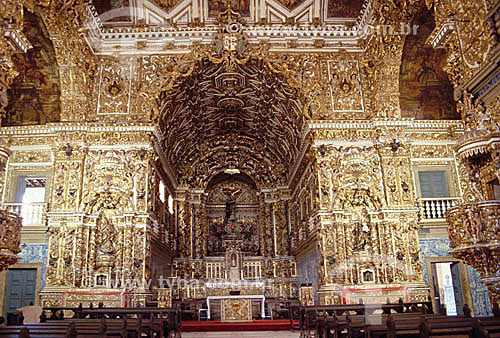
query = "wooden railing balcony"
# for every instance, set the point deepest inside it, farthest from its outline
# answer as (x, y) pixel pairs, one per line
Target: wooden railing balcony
(33, 214)
(434, 209)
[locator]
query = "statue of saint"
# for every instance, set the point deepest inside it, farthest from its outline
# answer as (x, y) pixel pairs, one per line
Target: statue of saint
(229, 209)
(362, 231)
(106, 234)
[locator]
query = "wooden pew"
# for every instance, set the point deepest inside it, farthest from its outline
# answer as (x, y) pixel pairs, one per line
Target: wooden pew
(158, 323)
(404, 321)
(116, 313)
(362, 309)
(24, 332)
(398, 325)
(313, 316)
(425, 326)
(460, 327)
(168, 318)
(340, 326)
(89, 328)
(491, 325)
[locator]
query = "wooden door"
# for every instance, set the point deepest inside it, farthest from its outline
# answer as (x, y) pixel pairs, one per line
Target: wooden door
(21, 289)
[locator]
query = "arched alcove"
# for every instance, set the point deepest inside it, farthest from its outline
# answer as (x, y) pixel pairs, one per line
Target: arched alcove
(233, 211)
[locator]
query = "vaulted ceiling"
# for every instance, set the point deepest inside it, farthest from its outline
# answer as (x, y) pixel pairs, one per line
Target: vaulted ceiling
(240, 118)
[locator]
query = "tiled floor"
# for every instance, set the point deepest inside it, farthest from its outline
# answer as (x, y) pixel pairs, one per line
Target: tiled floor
(261, 334)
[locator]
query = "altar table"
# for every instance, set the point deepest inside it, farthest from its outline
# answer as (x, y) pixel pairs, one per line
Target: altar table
(240, 307)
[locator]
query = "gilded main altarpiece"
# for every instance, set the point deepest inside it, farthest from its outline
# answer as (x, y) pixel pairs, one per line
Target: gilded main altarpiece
(223, 144)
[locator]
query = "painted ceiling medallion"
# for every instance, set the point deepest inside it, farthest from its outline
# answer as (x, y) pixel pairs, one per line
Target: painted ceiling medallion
(166, 5)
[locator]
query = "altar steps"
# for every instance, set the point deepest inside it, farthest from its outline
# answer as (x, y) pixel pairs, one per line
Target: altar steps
(217, 326)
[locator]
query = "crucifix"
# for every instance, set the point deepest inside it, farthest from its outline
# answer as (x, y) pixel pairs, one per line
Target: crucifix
(231, 194)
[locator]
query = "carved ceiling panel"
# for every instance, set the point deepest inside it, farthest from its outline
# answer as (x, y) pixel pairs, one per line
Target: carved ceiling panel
(244, 117)
(291, 4)
(166, 5)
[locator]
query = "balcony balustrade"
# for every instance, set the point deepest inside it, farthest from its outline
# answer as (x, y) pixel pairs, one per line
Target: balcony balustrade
(32, 214)
(434, 209)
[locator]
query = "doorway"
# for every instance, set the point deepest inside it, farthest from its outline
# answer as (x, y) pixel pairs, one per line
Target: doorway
(449, 285)
(21, 289)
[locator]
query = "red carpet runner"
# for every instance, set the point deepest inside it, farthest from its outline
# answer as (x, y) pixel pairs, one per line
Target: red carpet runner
(256, 325)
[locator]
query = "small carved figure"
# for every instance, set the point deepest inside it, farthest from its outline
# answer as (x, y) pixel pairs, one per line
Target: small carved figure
(107, 232)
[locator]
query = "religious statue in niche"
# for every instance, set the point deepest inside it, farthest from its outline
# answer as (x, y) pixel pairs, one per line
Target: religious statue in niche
(362, 232)
(105, 244)
(368, 276)
(359, 204)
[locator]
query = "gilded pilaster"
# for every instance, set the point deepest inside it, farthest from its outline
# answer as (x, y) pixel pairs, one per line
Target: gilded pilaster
(203, 228)
(198, 231)
(262, 226)
(269, 235)
(281, 228)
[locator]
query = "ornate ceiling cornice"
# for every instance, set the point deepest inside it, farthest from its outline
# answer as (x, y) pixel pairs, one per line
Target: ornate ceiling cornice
(54, 128)
(407, 124)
